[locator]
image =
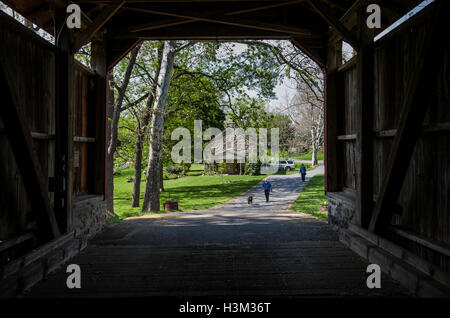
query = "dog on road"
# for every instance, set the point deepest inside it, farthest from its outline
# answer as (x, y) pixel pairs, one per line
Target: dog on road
(250, 200)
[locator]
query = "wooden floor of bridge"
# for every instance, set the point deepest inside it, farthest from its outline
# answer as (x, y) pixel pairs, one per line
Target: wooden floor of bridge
(220, 254)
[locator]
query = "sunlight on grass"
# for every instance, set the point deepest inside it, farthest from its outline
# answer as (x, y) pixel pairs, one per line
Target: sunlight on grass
(306, 155)
(312, 198)
(192, 192)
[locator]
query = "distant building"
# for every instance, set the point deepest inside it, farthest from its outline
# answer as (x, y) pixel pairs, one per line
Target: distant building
(231, 153)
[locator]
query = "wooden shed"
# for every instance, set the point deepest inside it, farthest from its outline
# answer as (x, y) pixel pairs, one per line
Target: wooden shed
(387, 114)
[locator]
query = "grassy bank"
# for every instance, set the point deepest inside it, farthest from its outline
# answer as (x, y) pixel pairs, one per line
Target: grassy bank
(193, 192)
(312, 198)
(297, 168)
(306, 155)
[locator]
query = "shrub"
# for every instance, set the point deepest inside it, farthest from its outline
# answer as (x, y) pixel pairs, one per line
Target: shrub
(185, 167)
(174, 170)
(252, 169)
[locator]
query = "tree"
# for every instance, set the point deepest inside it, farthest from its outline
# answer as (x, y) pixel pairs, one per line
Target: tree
(207, 78)
(115, 108)
(249, 112)
(154, 167)
(307, 110)
(308, 115)
(228, 76)
(287, 130)
(142, 127)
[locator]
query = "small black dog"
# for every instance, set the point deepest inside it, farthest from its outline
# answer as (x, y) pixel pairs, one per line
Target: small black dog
(250, 200)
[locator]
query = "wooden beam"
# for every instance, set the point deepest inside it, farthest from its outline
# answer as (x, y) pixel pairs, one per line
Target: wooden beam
(349, 64)
(328, 16)
(99, 99)
(350, 137)
(334, 98)
(254, 9)
(365, 67)
(105, 15)
(428, 129)
(224, 20)
(417, 99)
(83, 139)
(429, 243)
(199, 33)
(389, 133)
(42, 136)
(4, 245)
(271, 6)
(63, 128)
(117, 49)
(21, 144)
(173, 1)
(163, 24)
(436, 128)
(160, 24)
(314, 54)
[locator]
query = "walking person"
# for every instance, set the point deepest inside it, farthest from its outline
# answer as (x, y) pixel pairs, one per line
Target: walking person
(303, 172)
(267, 188)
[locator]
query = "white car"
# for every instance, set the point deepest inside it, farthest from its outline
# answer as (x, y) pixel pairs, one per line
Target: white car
(286, 165)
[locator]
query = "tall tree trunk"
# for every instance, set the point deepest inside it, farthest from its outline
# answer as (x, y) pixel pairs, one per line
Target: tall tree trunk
(137, 169)
(110, 156)
(142, 130)
(114, 110)
(314, 161)
(151, 198)
(161, 179)
(315, 144)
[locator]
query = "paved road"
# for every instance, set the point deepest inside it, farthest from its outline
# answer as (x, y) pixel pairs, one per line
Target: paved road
(285, 190)
(231, 250)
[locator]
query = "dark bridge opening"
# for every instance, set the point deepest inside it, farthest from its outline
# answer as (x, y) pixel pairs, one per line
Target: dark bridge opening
(386, 117)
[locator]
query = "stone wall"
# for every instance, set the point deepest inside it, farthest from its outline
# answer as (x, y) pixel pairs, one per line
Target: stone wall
(89, 215)
(341, 209)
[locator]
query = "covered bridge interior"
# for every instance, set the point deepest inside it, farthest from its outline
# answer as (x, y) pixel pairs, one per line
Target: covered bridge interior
(387, 146)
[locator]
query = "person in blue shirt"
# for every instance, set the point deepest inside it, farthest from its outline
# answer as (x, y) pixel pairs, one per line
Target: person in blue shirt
(303, 172)
(267, 187)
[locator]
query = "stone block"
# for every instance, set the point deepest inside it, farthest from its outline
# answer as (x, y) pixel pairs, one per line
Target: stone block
(418, 263)
(54, 260)
(406, 275)
(381, 258)
(428, 288)
(392, 248)
(32, 274)
(360, 246)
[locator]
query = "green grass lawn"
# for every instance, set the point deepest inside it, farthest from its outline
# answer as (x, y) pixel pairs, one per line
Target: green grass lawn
(297, 169)
(196, 170)
(193, 192)
(306, 155)
(312, 198)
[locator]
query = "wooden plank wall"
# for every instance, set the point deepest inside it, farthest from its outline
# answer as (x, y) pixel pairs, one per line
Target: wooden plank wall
(84, 116)
(349, 126)
(29, 63)
(424, 198)
(426, 189)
